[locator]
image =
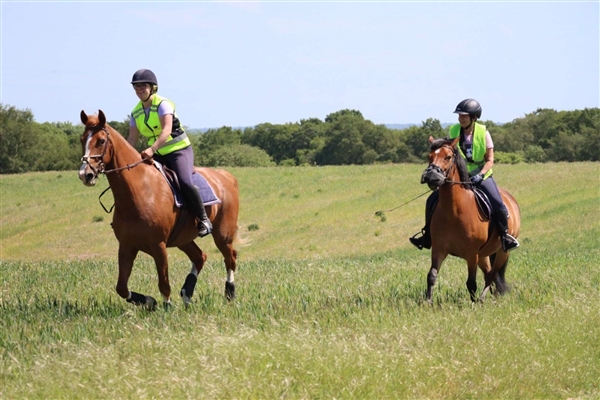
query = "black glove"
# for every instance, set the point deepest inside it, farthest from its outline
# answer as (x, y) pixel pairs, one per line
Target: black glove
(476, 179)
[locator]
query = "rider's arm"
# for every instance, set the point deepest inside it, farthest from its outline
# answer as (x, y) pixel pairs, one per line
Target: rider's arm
(134, 133)
(489, 154)
(489, 160)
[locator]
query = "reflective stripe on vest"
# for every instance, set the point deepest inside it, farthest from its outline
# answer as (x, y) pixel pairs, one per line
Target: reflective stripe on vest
(479, 147)
(150, 127)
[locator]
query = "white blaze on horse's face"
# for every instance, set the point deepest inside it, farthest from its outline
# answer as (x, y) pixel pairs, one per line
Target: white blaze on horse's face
(85, 170)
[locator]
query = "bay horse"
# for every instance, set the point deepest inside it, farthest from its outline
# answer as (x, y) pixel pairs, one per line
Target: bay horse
(146, 217)
(458, 227)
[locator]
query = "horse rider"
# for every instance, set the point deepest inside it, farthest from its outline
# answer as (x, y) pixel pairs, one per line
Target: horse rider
(155, 118)
(477, 148)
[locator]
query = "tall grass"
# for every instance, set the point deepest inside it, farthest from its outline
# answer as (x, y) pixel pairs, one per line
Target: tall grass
(329, 296)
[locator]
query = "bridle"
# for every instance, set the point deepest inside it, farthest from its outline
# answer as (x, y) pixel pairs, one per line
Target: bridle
(438, 170)
(102, 166)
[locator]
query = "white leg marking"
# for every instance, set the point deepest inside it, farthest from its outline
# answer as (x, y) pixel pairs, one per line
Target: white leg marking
(230, 278)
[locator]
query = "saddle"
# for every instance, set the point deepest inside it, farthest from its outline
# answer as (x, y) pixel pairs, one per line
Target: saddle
(206, 191)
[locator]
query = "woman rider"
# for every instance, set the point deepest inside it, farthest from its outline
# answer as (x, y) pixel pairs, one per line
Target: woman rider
(477, 148)
(155, 118)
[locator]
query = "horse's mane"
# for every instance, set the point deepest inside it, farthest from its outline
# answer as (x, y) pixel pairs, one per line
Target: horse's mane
(461, 165)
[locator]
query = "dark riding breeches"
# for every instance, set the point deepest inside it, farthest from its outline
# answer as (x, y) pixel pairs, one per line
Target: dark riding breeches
(488, 186)
(182, 162)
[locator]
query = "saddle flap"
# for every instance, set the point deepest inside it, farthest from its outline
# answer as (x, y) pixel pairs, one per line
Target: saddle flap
(483, 203)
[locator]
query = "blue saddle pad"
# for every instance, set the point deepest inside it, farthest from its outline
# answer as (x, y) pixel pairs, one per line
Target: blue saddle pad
(206, 191)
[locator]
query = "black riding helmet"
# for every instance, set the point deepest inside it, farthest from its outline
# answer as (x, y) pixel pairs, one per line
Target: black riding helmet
(144, 76)
(469, 106)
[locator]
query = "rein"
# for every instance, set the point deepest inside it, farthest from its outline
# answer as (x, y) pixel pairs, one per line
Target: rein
(103, 170)
(380, 213)
(128, 166)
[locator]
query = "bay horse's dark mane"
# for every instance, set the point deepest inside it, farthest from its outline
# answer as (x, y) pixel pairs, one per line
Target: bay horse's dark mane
(461, 165)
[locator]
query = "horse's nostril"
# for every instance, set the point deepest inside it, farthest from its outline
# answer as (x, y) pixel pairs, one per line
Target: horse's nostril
(89, 177)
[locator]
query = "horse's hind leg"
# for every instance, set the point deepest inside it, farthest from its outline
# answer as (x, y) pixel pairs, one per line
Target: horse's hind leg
(497, 270)
(500, 262)
(488, 273)
(225, 245)
(198, 258)
(162, 268)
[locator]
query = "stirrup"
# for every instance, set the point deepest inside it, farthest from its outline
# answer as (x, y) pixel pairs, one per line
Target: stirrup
(418, 241)
(204, 227)
(509, 242)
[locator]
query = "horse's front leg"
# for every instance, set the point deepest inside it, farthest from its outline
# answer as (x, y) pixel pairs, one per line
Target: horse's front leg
(472, 278)
(436, 264)
(162, 268)
(127, 256)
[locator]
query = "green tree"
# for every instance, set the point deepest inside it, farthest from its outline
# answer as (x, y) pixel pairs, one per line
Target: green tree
(18, 139)
(54, 150)
(207, 144)
(341, 113)
(344, 141)
(238, 155)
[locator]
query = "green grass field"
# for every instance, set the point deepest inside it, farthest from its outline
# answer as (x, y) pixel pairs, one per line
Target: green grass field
(329, 296)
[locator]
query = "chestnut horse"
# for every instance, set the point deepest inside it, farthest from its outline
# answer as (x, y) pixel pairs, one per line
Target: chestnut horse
(458, 227)
(146, 217)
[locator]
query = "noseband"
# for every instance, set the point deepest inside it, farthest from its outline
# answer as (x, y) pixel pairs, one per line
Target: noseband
(437, 170)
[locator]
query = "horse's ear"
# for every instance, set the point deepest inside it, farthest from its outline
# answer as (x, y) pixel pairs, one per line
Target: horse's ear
(431, 139)
(101, 118)
(84, 117)
(455, 141)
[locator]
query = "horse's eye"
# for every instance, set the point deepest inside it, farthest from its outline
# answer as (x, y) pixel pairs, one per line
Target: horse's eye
(448, 158)
(101, 142)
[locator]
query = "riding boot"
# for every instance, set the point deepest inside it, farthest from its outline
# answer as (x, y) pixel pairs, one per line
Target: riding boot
(195, 204)
(424, 242)
(509, 242)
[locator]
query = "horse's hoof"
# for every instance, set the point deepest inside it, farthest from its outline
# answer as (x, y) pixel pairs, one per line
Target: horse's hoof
(187, 300)
(150, 304)
(167, 305)
(229, 290)
(187, 291)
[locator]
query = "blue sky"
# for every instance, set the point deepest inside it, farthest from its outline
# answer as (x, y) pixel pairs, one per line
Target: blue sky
(245, 63)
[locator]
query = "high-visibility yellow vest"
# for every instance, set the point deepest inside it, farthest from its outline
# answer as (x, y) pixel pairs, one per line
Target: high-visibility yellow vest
(479, 148)
(150, 127)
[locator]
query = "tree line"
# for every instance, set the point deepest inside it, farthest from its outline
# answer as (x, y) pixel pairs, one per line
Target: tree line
(345, 137)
